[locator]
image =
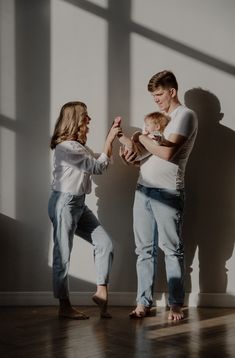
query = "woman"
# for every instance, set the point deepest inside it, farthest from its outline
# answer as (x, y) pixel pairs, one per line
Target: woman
(73, 166)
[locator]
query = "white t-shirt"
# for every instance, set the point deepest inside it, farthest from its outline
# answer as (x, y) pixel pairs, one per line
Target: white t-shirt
(73, 166)
(159, 173)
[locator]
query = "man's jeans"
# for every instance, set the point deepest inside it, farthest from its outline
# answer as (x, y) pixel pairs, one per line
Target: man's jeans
(158, 217)
(69, 216)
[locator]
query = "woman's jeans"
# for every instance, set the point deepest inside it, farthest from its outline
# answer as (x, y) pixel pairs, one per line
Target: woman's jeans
(69, 216)
(158, 215)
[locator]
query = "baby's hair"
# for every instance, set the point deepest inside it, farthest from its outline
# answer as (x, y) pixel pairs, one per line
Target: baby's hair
(158, 118)
(69, 125)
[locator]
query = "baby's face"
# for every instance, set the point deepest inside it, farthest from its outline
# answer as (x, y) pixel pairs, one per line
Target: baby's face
(151, 127)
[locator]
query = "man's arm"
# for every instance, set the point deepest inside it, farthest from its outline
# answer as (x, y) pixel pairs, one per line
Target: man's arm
(166, 151)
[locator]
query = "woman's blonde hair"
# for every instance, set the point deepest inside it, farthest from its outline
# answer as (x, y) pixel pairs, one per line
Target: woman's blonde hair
(70, 124)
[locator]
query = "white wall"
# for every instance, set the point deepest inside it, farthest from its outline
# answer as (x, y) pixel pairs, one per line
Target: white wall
(103, 53)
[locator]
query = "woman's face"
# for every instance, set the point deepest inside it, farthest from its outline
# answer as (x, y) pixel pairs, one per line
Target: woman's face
(86, 121)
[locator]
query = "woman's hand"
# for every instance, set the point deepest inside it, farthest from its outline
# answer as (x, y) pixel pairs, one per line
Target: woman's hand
(115, 130)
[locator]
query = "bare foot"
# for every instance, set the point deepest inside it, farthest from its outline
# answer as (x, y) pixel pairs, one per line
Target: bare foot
(72, 313)
(117, 120)
(140, 312)
(103, 306)
(176, 313)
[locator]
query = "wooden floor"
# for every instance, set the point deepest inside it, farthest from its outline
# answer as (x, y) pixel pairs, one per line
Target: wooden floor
(33, 332)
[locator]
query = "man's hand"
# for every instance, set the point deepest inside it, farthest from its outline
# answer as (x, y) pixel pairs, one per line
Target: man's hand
(128, 155)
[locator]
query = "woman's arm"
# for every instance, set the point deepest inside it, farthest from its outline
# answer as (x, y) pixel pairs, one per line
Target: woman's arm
(113, 132)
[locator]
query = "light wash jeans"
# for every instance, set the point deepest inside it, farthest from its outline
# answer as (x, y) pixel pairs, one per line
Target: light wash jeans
(69, 216)
(158, 215)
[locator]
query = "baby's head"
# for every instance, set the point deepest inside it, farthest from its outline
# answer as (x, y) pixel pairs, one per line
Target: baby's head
(155, 121)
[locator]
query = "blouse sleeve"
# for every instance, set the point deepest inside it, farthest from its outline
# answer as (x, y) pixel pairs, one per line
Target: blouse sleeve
(75, 155)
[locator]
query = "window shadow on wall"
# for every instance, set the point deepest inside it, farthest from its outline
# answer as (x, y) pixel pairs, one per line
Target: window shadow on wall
(25, 255)
(209, 218)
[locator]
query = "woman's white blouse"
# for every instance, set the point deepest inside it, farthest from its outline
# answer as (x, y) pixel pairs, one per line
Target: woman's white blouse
(73, 165)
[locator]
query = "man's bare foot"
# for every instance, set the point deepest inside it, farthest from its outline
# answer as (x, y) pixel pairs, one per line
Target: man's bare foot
(103, 306)
(140, 312)
(72, 313)
(176, 313)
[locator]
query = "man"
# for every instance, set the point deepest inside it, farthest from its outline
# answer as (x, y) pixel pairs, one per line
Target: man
(159, 198)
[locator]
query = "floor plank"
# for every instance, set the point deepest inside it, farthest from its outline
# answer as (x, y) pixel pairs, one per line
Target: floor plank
(35, 332)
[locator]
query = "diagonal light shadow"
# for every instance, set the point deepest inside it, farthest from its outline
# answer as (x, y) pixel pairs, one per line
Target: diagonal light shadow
(183, 49)
(156, 37)
(8, 123)
(90, 7)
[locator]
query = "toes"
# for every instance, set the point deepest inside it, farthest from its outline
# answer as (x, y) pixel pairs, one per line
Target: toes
(175, 314)
(140, 312)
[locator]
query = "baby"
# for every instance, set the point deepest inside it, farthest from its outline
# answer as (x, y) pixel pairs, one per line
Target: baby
(154, 125)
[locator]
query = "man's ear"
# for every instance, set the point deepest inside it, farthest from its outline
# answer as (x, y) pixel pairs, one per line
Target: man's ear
(173, 92)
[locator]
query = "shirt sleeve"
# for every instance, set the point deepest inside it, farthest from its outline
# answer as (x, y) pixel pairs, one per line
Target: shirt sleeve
(185, 125)
(78, 156)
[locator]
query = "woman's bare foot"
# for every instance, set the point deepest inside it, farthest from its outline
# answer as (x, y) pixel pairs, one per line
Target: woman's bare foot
(101, 299)
(176, 313)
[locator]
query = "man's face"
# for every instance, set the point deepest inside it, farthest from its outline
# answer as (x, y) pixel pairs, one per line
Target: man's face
(163, 97)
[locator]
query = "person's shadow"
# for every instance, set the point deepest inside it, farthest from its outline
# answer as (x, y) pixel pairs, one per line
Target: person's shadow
(115, 197)
(210, 176)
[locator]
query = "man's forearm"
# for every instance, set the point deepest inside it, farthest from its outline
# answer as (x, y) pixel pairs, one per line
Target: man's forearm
(163, 152)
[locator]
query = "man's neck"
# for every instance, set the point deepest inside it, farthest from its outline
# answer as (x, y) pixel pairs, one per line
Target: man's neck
(173, 106)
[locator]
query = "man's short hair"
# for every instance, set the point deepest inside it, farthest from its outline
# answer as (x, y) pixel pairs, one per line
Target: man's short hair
(165, 79)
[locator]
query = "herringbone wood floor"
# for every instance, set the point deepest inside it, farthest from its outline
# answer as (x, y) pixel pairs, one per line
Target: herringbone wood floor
(33, 332)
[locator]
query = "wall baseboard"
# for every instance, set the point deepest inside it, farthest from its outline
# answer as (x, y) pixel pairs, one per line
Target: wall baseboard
(46, 298)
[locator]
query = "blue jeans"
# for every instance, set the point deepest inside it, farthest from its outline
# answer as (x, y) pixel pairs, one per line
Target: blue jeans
(69, 216)
(158, 215)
